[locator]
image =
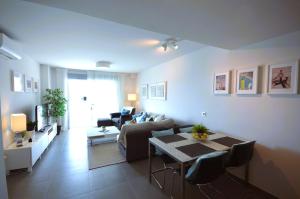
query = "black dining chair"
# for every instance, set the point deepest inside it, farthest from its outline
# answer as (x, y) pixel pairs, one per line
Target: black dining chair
(167, 161)
(205, 170)
(240, 155)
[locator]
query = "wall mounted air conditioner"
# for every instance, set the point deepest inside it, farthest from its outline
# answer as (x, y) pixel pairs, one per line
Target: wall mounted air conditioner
(7, 47)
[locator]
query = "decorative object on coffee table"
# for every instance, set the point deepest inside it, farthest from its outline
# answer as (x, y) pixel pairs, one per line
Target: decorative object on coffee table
(200, 132)
(55, 98)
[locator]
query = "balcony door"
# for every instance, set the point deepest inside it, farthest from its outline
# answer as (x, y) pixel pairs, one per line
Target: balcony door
(91, 98)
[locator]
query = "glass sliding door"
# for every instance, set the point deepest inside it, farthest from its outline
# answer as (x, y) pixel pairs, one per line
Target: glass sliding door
(92, 97)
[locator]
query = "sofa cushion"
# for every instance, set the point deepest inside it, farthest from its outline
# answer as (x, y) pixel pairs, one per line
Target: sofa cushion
(159, 118)
(186, 129)
(141, 118)
(160, 134)
(116, 120)
(125, 111)
(144, 127)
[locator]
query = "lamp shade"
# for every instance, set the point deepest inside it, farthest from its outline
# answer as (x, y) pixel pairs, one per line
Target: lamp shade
(18, 122)
(131, 97)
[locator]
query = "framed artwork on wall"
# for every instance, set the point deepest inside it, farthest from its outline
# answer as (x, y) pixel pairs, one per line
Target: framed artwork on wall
(283, 78)
(17, 82)
(246, 81)
(144, 91)
(158, 91)
(221, 83)
(36, 85)
(28, 84)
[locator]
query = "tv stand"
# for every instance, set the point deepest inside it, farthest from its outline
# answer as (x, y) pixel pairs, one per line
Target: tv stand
(27, 155)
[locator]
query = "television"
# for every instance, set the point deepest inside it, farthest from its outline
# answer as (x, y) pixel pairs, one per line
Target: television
(41, 117)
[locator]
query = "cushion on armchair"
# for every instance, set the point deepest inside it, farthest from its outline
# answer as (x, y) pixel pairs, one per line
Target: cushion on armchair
(124, 111)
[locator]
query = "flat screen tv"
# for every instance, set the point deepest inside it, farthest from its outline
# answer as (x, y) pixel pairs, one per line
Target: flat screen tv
(41, 117)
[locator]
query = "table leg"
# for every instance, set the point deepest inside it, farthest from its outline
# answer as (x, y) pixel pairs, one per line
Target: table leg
(182, 180)
(247, 172)
(149, 162)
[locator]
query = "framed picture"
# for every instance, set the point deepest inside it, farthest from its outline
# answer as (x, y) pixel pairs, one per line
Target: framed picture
(283, 78)
(246, 81)
(36, 85)
(158, 91)
(28, 84)
(17, 82)
(144, 91)
(221, 83)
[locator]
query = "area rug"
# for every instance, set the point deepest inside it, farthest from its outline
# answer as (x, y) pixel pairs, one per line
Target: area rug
(104, 154)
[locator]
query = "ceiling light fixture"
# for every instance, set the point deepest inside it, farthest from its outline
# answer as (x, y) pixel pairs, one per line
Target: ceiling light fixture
(103, 64)
(170, 43)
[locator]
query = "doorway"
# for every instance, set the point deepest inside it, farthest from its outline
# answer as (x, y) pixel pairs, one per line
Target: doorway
(90, 99)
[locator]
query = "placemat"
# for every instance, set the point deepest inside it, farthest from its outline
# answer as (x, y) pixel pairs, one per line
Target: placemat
(171, 138)
(227, 141)
(194, 150)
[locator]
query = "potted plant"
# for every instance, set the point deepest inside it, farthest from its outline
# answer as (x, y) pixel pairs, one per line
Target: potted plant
(57, 105)
(200, 132)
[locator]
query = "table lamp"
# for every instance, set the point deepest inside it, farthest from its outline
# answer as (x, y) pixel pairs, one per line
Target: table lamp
(18, 126)
(132, 98)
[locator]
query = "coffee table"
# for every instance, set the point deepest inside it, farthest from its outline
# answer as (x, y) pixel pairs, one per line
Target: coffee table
(110, 134)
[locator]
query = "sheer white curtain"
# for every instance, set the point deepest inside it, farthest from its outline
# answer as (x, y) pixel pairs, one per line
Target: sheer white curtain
(62, 83)
(104, 93)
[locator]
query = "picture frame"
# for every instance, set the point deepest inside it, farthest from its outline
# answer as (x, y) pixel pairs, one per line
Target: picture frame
(144, 91)
(28, 84)
(17, 82)
(221, 85)
(246, 81)
(283, 78)
(35, 85)
(158, 91)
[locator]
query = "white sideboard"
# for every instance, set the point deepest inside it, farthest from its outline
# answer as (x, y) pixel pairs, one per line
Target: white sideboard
(27, 155)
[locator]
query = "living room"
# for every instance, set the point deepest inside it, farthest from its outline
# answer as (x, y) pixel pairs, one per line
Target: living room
(104, 56)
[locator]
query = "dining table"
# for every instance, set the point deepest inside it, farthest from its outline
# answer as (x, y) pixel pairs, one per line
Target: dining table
(184, 149)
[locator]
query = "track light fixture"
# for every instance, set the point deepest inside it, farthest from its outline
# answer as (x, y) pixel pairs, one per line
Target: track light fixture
(170, 43)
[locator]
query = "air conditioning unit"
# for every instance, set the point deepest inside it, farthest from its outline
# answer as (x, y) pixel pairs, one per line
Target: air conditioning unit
(7, 48)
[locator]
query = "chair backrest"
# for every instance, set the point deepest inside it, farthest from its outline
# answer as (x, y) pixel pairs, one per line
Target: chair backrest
(207, 168)
(131, 109)
(240, 154)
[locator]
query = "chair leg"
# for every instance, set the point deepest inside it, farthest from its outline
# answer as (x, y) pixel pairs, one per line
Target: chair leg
(172, 186)
(203, 192)
(214, 188)
(247, 172)
(161, 186)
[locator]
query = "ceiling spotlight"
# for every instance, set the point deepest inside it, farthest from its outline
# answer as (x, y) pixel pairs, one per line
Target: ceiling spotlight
(170, 43)
(103, 64)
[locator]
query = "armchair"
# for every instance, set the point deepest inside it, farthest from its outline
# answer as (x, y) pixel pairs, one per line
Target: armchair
(119, 118)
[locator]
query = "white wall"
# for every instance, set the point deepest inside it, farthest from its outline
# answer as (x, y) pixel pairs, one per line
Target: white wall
(3, 185)
(13, 102)
(273, 121)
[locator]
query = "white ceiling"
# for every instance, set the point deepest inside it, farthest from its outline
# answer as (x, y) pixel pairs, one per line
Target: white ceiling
(227, 24)
(67, 39)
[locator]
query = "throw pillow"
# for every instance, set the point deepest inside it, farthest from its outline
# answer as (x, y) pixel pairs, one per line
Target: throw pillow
(159, 118)
(159, 134)
(142, 118)
(186, 129)
(125, 111)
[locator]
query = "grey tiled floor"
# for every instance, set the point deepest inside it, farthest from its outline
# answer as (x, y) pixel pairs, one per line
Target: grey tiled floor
(63, 172)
